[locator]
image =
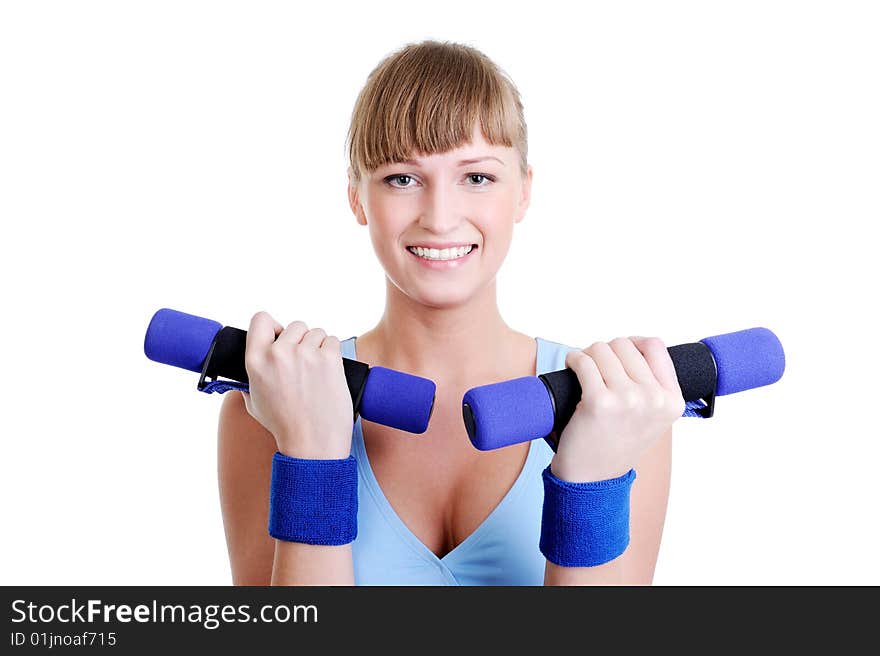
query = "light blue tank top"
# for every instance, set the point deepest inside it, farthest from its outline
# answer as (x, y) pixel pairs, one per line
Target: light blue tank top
(503, 550)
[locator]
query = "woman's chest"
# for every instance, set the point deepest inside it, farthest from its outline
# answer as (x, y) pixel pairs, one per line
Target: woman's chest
(437, 483)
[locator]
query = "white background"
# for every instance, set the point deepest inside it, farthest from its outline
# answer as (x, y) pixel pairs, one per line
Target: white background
(700, 168)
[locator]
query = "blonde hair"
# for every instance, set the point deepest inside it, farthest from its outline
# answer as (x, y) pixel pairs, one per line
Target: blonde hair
(426, 98)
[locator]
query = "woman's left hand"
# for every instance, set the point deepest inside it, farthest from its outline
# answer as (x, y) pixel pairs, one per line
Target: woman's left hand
(630, 398)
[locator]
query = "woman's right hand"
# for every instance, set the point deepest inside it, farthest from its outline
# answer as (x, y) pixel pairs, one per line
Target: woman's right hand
(298, 390)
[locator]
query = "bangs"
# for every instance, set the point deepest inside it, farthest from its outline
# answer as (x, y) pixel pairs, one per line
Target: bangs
(426, 99)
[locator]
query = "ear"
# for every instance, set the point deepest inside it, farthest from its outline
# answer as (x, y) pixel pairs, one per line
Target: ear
(525, 197)
(354, 200)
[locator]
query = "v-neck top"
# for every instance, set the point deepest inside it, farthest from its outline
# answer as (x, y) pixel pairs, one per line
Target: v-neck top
(503, 550)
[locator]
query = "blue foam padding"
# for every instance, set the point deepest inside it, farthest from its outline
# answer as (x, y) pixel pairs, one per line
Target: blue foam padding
(179, 339)
(746, 359)
(397, 399)
(509, 412)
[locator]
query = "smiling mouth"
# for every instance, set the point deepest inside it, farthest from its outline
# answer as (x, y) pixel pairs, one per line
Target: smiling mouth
(442, 255)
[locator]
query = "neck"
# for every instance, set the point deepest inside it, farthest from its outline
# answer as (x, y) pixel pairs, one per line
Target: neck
(463, 342)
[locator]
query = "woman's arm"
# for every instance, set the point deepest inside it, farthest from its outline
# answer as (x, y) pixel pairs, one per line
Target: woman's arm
(310, 564)
(244, 461)
(648, 500)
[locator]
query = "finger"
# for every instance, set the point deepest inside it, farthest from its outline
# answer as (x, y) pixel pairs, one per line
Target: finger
(260, 334)
(657, 356)
(633, 361)
(587, 372)
(293, 334)
(313, 338)
(331, 343)
(609, 364)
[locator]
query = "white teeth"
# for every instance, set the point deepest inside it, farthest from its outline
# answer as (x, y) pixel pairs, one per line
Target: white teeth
(443, 254)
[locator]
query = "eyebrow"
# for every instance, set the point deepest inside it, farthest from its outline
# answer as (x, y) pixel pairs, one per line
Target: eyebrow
(463, 162)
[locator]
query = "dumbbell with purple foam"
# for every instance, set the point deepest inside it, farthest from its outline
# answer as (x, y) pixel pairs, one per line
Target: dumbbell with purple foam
(533, 407)
(384, 396)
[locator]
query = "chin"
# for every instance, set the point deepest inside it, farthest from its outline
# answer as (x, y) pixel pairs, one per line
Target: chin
(439, 299)
(443, 305)
(454, 294)
(435, 295)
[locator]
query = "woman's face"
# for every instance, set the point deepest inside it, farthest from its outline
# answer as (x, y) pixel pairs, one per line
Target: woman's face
(441, 200)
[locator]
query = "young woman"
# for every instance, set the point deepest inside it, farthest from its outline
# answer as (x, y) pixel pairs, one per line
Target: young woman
(439, 176)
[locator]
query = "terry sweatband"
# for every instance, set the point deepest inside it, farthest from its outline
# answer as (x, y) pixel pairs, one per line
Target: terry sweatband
(313, 501)
(585, 524)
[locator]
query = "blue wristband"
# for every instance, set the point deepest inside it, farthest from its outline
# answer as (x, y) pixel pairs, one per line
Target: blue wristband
(585, 524)
(313, 501)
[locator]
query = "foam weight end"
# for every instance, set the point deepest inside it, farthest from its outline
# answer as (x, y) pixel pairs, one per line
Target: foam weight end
(507, 413)
(179, 339)
(746, 359)
(399, 400)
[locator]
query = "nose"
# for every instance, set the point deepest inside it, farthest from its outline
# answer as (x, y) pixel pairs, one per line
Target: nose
(439, 213)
